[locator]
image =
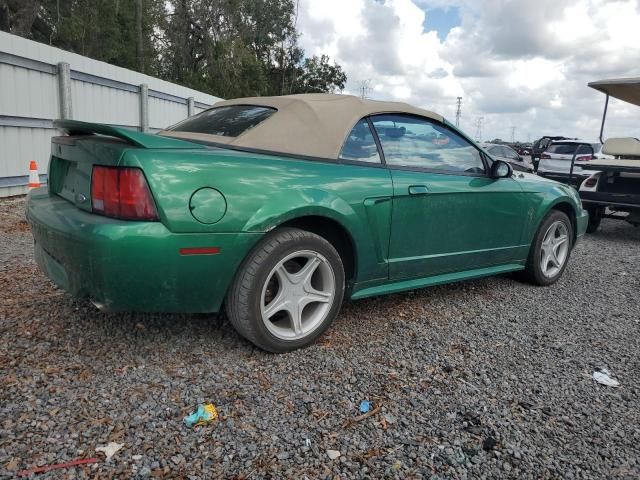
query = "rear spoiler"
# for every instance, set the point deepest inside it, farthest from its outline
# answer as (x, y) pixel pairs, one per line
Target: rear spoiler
(138, 139)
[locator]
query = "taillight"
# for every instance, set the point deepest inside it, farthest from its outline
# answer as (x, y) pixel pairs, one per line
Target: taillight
(584, 158)
(545, 155)
(591, 182)
(122, 192)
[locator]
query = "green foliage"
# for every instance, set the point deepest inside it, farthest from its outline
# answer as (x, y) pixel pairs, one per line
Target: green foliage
(229, 48)
(318, 75)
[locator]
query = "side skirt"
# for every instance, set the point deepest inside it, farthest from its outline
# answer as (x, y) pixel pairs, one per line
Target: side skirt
(414, 283)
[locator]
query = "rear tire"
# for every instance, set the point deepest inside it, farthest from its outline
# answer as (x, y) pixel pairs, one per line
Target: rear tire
(287, 291)
(550, 250)
(595, 216)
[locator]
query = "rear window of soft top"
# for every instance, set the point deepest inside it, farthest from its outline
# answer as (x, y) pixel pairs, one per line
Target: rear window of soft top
(227, 121)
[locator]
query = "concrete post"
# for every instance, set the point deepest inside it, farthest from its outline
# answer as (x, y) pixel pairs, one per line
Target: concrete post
(191, 106)
(64, 87)
(144, 107)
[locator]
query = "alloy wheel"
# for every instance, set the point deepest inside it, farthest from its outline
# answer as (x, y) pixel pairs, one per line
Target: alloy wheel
(554, 250)
(297, 295)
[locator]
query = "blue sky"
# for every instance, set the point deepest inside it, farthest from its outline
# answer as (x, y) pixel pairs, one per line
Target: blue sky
(442, 20)
(522, 63)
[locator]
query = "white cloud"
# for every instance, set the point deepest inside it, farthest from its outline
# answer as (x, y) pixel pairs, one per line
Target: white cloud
(515, 63)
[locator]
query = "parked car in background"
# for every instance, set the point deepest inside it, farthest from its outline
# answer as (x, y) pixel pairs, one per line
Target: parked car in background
(276, 209)
(540, 146)
(524, 151)
(555, 161)
(613, 191)
(509, 155)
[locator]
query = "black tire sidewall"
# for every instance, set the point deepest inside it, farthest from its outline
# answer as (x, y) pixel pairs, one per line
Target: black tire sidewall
(595, 216)
(305, 241)
(534, 267)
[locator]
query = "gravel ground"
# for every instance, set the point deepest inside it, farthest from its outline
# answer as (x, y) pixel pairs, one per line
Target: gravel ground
(485, 379)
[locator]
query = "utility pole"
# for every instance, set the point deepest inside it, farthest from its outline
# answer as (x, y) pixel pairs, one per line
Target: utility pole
(365, 88)
(479, 121)
(458, 111)
(513, 134)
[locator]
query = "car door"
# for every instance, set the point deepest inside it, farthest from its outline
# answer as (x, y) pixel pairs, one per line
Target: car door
(448, 215)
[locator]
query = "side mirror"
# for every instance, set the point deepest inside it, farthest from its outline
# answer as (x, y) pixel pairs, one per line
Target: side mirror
(500, 169)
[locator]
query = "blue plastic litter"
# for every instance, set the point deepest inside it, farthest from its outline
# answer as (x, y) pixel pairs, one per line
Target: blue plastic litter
(365, 406)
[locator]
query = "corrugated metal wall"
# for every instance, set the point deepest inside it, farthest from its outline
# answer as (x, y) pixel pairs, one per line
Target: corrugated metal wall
(30, 100)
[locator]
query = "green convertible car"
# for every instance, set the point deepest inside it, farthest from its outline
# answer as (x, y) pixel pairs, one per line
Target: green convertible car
(278, 208)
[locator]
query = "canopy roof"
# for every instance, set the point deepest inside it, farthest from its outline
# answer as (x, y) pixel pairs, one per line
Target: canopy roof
(314, 124)
(625, 89)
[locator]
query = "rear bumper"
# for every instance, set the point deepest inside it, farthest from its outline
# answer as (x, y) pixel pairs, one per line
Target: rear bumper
(578, 177)
(131, 266)
(607, 199)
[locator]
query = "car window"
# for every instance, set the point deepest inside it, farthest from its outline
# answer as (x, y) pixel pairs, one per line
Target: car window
(229, 121)
(509, 153)
(567, 148)
(416, 142)
(501, 152)
(360, 145)
(495, 151)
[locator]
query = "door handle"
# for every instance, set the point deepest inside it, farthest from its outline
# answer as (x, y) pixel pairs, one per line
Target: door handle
(418, 190)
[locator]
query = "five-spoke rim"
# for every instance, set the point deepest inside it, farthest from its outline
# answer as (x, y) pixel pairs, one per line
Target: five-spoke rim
(555, 249)
(297, 295)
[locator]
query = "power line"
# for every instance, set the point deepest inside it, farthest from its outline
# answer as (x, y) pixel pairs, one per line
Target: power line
(458, 111)
(365, 88)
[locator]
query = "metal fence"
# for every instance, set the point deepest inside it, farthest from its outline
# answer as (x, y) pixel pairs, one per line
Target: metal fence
(39, 83)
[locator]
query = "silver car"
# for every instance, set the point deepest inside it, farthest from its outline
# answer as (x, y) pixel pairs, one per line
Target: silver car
(509, 155)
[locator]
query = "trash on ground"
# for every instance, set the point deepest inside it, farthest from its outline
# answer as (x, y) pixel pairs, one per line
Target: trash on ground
(307, 442)
(333, 454)
(56, 466)
(359, 418)
(365, 406)
(206, 413)
(110, 449)
(603, 377)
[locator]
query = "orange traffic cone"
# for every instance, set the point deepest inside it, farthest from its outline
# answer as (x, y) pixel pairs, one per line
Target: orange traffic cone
(34, 178)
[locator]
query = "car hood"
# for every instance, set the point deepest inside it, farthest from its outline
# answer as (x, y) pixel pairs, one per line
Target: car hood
(531, 177)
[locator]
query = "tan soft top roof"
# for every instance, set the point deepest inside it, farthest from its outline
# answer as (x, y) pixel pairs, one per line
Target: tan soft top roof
(315, 124)
(625, 89)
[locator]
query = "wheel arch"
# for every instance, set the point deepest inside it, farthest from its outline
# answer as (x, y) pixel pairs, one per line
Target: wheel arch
(569, 210)
(335, 233)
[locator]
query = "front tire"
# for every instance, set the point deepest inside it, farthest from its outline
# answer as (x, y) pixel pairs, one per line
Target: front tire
(288, 290)
(550, 250)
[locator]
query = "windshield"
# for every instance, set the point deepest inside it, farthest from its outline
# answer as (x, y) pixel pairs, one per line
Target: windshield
(229, 121)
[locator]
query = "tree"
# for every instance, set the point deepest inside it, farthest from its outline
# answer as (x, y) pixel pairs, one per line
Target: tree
(18, 16)
(318, 75)
(229, 48)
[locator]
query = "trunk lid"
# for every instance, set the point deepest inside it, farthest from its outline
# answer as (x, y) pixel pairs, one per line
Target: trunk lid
(87, 144)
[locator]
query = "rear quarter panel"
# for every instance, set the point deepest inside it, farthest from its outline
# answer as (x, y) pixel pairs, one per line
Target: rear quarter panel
(264, 191)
